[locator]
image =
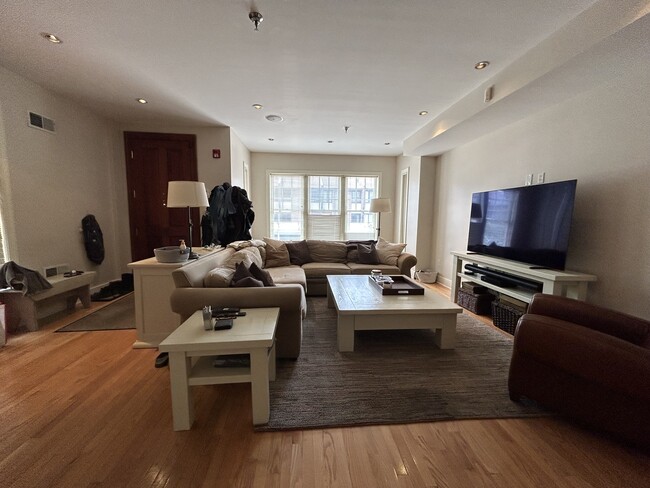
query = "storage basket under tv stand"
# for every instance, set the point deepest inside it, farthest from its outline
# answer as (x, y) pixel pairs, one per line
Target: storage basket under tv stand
(564, 283)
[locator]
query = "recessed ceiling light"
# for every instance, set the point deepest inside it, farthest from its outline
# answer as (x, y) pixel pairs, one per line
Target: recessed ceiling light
(482, 65)
(423, 112)
(141, 100)
(274, 118)
(51, 37)
(257, 106)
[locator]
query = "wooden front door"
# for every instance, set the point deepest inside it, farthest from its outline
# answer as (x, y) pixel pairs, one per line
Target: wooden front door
(152, 160)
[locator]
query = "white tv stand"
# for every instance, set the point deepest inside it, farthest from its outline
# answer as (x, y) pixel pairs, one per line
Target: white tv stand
(565, 283)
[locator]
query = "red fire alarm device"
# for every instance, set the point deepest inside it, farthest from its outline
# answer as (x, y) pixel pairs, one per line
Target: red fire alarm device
(216, 153)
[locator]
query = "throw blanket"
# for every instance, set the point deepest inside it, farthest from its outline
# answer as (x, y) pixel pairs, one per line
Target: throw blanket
(26, 280)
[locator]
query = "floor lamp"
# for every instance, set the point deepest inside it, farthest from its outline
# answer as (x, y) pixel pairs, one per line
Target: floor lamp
(379, 205)
(187, 194)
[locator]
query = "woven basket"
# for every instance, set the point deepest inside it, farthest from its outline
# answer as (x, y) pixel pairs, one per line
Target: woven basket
(478, 303)
(505, 317)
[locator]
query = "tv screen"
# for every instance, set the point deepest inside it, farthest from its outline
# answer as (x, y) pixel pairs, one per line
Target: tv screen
(530, 224)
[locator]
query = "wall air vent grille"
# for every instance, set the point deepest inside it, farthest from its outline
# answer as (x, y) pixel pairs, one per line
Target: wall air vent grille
(40, 122)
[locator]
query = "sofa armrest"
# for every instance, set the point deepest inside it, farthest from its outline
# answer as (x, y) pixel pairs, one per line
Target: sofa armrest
(405, 262)
(186, 301)
(579, 351)
(607, 321)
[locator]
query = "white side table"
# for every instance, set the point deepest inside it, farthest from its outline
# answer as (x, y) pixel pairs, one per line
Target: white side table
(191, 350)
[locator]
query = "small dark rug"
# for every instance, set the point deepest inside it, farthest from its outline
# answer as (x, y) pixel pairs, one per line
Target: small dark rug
(392, 377)
(117, 315)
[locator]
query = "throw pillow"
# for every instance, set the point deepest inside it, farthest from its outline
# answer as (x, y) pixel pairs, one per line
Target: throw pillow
(248, 282)
(368, 254)
(388, 252)
(276, 253)
(299, 252)
(353, 253)
(218, 278)
(241, 272)
(261, 274)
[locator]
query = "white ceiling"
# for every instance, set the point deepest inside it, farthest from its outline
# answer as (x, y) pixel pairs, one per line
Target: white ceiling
(321, 65)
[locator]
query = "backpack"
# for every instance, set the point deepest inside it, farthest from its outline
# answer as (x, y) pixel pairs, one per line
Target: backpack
(93, 239)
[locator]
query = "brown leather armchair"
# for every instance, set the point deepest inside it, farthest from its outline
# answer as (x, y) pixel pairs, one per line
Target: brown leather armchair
(587, 362)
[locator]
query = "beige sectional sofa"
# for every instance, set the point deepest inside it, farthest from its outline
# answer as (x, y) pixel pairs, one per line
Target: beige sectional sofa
(208, 280)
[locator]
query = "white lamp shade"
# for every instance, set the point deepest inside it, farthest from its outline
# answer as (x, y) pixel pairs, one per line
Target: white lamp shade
(186, 194)
(380, 205)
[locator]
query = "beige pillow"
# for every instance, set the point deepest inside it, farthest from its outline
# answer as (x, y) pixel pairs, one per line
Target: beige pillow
(388, 252)
(277, 253)
(248, 256)
(218, 278)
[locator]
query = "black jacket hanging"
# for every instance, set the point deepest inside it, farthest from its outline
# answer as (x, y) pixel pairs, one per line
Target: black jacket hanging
(93, 239)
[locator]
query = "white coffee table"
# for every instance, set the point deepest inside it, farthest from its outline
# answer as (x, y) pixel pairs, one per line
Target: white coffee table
(191, 350)
(360, 305)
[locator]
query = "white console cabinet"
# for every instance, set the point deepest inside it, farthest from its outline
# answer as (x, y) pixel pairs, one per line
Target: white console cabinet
(565, 283)
(153, 285)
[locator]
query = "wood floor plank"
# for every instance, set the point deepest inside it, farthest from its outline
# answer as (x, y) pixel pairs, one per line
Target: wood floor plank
(84, 409)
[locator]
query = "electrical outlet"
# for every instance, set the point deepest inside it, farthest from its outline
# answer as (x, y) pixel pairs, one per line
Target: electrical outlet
(540, 177)
(529, 179)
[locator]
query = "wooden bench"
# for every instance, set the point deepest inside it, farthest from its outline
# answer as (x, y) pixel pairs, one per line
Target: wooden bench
(25, 311)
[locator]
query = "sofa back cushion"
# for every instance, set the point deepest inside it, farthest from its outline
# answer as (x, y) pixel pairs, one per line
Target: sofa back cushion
(327, 251)
(247, 255)
(277, 253)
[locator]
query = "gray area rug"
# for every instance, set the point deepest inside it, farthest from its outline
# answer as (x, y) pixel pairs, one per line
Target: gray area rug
(392, 377)
(117, 315)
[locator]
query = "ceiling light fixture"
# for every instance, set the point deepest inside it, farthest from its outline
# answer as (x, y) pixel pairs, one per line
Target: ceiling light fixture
(141, 100)
(256, 18)
(423, 112)
(482, 65)
(330, 142)
(386, 143)
(257, 106)
(274, 118)
(271, 139)
(51, 37)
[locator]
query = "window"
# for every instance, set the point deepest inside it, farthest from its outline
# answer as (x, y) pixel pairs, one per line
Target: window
(322, 206)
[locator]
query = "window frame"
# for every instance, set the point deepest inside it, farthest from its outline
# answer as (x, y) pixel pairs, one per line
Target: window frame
(305, 209)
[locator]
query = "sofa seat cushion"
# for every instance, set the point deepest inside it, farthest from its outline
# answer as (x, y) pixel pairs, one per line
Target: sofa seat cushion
(361, 269)
(322, 269)
(284, 275)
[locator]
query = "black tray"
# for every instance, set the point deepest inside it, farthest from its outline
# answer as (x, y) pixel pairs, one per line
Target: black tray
(400, 286)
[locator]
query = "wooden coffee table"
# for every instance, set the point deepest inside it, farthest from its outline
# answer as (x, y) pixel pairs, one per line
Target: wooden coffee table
(360, 305)
(191, 350)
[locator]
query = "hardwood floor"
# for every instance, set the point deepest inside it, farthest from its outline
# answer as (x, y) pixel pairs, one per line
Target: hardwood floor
(85, 409)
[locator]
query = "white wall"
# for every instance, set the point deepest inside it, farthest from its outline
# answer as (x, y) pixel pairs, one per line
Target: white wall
(602, 138)
(211, 171)
(263, 163)
(51, 181)
(239, 156)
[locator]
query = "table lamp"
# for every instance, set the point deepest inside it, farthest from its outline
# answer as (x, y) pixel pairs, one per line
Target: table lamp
(187, 194)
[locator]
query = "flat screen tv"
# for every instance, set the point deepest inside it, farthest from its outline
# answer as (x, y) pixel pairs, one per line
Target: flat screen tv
(530, 224)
